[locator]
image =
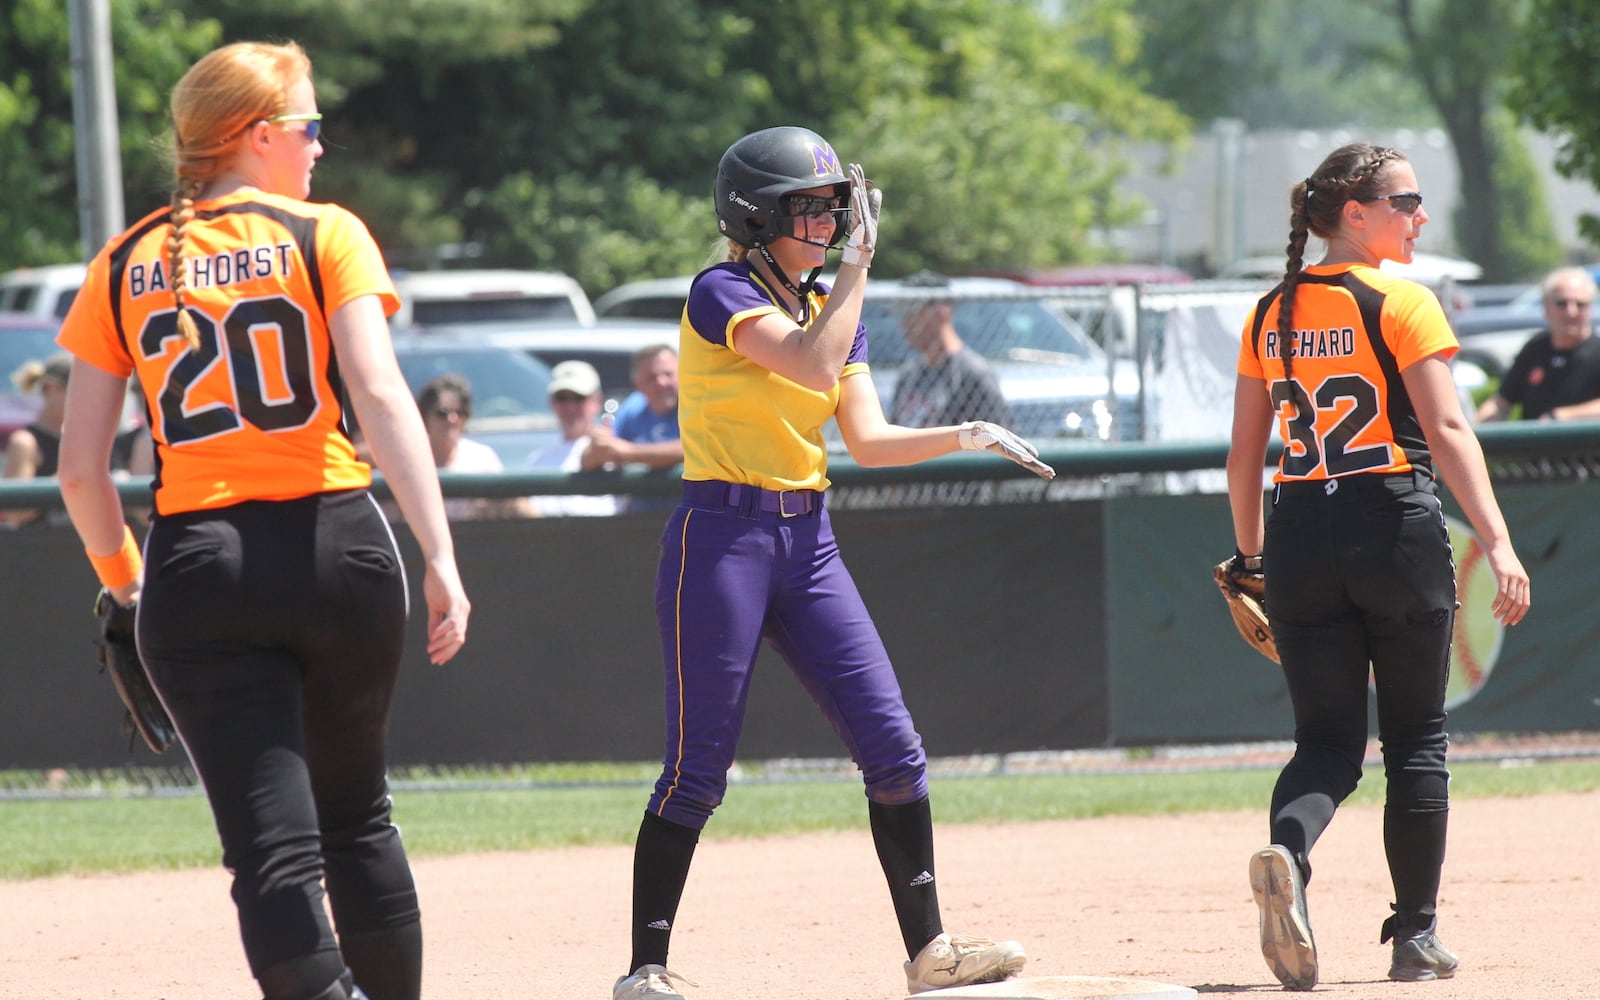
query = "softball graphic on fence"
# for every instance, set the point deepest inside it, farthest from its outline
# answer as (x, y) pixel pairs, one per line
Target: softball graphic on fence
(1476, 643)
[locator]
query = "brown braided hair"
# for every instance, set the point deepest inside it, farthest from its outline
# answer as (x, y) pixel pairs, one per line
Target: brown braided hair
(213, 106)
(1316, 205)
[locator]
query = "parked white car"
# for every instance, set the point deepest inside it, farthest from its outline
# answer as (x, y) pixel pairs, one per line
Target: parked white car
(430, 298)
(653, 298)
(41, 291)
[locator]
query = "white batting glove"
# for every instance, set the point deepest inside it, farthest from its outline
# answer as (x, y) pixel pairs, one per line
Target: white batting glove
(866, 202)
(980, 435)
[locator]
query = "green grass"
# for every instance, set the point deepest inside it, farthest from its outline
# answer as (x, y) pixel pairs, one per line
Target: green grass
(130, 832)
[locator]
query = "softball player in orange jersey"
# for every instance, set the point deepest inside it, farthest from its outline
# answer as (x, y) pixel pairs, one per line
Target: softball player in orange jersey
(1353, 365)
(271, 597)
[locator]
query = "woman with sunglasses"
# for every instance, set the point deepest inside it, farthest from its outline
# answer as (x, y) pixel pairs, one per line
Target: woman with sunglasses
(1353, 365)
(271, 599)
(768, 355)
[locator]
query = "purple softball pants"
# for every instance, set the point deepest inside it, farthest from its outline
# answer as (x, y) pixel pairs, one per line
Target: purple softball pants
(739, 564)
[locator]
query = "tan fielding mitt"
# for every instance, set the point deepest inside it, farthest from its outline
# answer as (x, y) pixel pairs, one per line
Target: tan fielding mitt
(1245, 590)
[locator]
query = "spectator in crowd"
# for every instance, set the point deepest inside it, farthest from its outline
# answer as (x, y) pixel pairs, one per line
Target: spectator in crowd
(946, 382)
(133, 452)
(31, 451)
(446, 405)
(645, 431)
(1556, 375)
(575, 398)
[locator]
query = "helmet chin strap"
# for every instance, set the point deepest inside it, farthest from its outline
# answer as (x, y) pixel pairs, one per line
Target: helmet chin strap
(802, 293)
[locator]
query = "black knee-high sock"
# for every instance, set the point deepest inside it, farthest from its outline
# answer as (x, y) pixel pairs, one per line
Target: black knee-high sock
(903, 836)
(661, 859)
(307, 976)
(388, 962)
(1414, 843)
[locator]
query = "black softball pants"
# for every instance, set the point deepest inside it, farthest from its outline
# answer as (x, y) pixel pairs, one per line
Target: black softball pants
(1360, 577)
(273, 632)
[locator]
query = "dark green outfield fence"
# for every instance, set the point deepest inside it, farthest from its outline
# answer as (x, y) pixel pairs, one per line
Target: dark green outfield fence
(1020, 615)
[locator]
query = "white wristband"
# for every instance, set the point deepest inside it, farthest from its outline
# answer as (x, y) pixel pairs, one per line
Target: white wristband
(857, 256)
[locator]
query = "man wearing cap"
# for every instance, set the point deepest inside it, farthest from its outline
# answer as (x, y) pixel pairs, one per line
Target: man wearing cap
(575, 398)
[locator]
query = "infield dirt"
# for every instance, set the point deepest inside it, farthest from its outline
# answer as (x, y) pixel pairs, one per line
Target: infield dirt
(807, 917)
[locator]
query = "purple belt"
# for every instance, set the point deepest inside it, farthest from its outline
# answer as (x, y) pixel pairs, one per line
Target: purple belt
(713, 493)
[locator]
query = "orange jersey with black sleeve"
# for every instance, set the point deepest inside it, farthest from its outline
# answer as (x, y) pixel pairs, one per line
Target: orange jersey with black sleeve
(256, 413)
(1346, 410)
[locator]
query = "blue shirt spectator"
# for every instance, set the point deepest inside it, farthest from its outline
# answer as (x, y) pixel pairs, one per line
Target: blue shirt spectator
(645, 431)
(637, 422)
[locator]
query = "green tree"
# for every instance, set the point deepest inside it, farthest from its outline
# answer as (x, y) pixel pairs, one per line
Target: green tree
(419, 99)
(1299, 63)
(1557, 90)
(582, 134)
(38, 171)
(1277, 63)
(1458, 49)
(1524, 226)
(997, 131)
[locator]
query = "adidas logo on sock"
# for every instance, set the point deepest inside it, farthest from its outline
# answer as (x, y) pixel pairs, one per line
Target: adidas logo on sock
(659, 925)
(924, 878)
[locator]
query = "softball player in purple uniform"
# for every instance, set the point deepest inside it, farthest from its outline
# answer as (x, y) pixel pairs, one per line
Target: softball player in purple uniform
(767, 357)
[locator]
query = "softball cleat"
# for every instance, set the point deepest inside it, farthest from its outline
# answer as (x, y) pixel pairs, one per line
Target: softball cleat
(1286, 941)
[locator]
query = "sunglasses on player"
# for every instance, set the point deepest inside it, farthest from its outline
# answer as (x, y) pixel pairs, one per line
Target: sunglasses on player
(313, 121)
(812, 206)
(1405, 202)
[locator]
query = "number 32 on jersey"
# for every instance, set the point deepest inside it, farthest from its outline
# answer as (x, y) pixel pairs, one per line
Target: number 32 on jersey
(1321, 424)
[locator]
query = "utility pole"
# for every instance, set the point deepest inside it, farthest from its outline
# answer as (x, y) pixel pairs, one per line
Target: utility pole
(94, 122)
(1229, 241)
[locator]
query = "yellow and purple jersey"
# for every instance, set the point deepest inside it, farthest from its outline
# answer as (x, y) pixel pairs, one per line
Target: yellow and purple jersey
(741, 422)
(256, 412)
(1346, 409)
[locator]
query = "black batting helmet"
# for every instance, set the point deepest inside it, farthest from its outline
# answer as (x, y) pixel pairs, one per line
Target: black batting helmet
(759, 170)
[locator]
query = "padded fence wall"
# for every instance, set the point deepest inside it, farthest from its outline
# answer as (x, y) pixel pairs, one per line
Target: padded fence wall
(1053, 625)
(997, 645)
(1180, 674)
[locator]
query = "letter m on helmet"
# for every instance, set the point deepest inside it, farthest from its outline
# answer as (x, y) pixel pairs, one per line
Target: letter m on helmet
(824, 160)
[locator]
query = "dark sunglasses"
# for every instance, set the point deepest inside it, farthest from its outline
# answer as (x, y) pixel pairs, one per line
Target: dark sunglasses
(812, 206)
(567, 397)
(445, 412)
(1405, 202)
